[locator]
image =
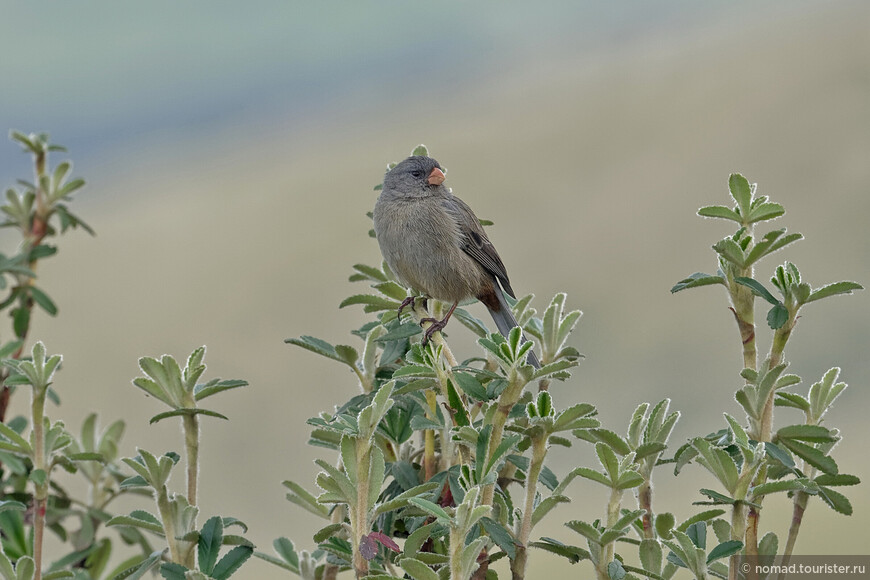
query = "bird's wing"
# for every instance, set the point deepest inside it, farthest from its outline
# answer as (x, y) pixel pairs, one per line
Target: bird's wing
(476, 244)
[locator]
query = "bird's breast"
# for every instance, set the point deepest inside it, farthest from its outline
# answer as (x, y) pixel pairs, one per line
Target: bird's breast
(420, 242)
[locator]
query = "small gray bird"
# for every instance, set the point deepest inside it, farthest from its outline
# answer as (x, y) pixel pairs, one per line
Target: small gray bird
(434, 243)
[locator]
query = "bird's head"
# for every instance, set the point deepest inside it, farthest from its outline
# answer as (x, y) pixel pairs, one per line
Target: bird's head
(416, 176)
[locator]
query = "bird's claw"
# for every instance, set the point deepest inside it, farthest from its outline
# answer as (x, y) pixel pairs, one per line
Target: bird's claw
(436, 326)
(406, 302)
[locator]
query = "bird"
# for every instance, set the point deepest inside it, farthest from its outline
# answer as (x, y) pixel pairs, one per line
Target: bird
(435, 245)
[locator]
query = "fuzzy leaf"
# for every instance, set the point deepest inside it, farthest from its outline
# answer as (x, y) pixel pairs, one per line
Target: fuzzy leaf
(833, 290)
(757, 288)
(719, 211)
(811, 455)
(724, 549)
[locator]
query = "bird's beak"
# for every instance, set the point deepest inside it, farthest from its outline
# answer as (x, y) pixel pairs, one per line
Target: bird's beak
(436, 177)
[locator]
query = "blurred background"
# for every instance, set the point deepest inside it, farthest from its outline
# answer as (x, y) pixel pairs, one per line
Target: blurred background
(231, 150)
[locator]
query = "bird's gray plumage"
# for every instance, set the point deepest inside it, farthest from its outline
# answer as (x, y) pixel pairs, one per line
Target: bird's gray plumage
(433, 242)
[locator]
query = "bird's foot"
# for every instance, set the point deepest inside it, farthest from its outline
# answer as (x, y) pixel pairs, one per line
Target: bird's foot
(409, 301)
(436, 326)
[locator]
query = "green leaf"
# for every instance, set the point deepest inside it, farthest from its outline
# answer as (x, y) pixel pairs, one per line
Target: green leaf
(301, 497)
(186, 411)
(608, 460)
(417, 569)
(572, 553)
(471, 386)
(25, 568)
(318, 346)
(768, 545)
(460, 415)
(417, 538)
(592, 475)
(704, 516)
(173, 571)
(664, 523)
(231, 562)
(839, 479)
(12, 505)
(284, 548)
(717, 497)
(474, 324)
(833, 290)
(209, 543)
(327, 532)
(628, 480)
(724, 550)
(38, 476)
(730, 251)
(137, 520)
(430, 507)
(718, 462)
(837, 501)
(719, 211)
(811, 455)
(368, 273)
(216, 386)
(402, 331)
(777, 316)
(627, 519)
(741, 191)
(414, 371)
(615, 571)
(792, 400)
(765, 211)
(697, 532)
(372, 303)
(611, 439)
(780, 485)
(546, 505)
(139, 570)
(43, 300)
(812, 433)
(586, 530)
(500, 536)
(757, 288)
(697, 280)
(20, 321)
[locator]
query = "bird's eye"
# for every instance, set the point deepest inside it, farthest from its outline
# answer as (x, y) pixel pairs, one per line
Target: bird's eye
(417, 173)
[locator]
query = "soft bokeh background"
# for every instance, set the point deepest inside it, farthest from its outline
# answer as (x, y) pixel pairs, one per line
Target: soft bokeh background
(231, 150)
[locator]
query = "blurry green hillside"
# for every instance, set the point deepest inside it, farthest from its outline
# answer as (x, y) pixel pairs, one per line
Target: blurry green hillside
(239, 229)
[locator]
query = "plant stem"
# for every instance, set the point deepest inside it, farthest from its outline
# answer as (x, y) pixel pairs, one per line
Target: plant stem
(644, 502)
(800, 505)
(359, 513)
(330, 571)
(506, 402)
(191, 443)
(777, 347)
(165, 509)
(457, 543)
(40, 494)
(429, 465)
(539, 453)
(738, 530)
(32, 236)
(608, 549)
(744, 312)
(498, 423)
(751, 536)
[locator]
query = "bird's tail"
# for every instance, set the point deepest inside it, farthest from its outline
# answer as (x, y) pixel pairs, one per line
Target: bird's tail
(505, 321)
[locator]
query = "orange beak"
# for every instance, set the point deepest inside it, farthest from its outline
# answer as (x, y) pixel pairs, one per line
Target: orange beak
(436, 177)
